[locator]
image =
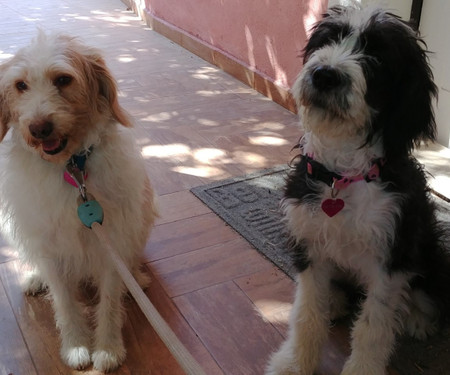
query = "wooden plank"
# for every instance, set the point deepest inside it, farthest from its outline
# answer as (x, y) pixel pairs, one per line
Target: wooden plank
(208, 266)
(178, 206)
(272, 292)
(146, 352)
(226, 321)
(185, 235)
(34, 315)
(14, 355)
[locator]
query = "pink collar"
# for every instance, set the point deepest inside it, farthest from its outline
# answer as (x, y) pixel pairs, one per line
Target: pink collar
(337, 181)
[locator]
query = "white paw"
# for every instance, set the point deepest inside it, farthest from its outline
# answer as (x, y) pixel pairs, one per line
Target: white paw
(422, 320)
(76, 357)
(420, 326)
(283, 363)
(108, 360)
(33, 283)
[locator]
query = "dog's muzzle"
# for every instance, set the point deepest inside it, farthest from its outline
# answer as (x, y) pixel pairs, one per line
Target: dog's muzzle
(42, 131)
(326, 87)
(326, 78)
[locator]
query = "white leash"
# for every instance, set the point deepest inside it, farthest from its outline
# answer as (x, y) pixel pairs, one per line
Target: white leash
(178, 350)
(91, 215)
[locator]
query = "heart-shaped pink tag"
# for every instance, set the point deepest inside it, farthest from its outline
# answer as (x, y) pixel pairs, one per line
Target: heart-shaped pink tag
(332, 206)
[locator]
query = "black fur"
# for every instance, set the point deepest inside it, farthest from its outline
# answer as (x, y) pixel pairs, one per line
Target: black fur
(399, 79)
(365, 97)
(400, 89)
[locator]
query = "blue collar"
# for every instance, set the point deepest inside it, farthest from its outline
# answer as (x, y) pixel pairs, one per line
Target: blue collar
(79, 160)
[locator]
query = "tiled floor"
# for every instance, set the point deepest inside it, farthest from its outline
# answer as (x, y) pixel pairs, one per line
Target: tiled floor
(195, 124)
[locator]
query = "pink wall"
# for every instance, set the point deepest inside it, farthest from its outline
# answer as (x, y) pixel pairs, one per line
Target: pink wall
(266, 35)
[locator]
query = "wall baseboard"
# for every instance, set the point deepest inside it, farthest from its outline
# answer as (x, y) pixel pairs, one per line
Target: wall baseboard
(221, 59)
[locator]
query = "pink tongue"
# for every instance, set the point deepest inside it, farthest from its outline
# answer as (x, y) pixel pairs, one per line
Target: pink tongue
(51, 145)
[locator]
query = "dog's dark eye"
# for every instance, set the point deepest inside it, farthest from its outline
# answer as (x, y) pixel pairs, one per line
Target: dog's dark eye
(21, 86)
(62, 81)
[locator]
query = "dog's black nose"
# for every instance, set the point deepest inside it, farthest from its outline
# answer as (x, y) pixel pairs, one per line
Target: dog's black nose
(41, 129)
(325, 78)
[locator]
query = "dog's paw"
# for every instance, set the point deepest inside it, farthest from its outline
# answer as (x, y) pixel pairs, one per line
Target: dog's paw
(33, 283)
(108, 360)
(423, 318)
(420, 326)
(76, 357)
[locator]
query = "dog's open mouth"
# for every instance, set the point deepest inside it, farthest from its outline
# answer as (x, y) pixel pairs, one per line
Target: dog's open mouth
(54, 146)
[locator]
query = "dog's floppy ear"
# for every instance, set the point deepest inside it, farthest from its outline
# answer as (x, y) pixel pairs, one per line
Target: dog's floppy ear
(4, 109)
(108, 89)
(408, 119)
(4, 119)
(99, 79)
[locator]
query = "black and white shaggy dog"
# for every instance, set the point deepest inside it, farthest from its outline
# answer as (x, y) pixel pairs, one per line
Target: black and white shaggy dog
(357, 203)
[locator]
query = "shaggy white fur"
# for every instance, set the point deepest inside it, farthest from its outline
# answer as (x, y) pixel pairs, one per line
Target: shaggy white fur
(58, 98)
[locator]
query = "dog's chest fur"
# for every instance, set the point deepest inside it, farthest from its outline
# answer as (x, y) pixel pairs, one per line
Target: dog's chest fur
(39, 208)
(365, 226)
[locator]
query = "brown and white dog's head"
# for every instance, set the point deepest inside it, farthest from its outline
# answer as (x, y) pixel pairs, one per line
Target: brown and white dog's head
(59, 95)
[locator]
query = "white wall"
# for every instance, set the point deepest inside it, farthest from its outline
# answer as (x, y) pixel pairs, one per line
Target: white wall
(399, 7)
(435, 28)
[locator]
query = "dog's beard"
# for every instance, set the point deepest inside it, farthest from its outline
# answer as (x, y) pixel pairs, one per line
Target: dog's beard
(337, 111)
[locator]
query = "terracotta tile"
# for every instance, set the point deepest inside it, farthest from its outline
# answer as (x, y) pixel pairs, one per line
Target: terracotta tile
(234, 68)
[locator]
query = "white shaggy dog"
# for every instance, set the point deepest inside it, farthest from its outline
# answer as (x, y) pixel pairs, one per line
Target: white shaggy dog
(60, 102)
(357, 203)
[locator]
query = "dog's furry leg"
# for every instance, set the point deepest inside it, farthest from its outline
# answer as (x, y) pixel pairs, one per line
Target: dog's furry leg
(423, 317)
(308, 330)
(373, 335)
(69, 317)
(33, 283)
(109, 351)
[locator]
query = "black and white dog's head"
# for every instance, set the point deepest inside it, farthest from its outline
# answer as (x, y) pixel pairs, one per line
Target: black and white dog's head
(366, 75)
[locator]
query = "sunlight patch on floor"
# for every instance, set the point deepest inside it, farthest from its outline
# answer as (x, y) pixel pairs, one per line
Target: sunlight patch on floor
(166, 151)
(267, 140)
(210, 155)
(200, 171)
(250, 158)
(274, 311)
(126, 58)
(160, 117)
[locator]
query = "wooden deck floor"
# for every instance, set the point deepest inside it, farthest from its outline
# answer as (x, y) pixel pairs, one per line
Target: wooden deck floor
(195, 124)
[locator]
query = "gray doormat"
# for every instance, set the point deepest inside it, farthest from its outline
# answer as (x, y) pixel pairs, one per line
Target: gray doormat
(250, 204)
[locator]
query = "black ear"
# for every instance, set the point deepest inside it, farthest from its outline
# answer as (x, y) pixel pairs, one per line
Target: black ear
(406, 116)
(326, 31)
